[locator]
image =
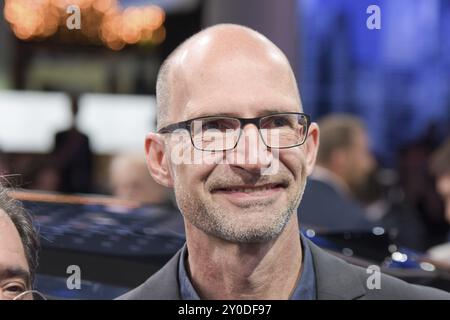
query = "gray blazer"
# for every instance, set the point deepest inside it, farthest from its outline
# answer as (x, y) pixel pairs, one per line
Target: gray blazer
(335, 280)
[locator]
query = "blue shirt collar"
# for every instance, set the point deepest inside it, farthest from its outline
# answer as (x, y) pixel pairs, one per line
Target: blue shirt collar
(305, 289)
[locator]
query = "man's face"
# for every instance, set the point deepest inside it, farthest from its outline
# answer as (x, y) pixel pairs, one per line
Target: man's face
(14, 271)
(443, 187)
(235, 201)
(360, 161)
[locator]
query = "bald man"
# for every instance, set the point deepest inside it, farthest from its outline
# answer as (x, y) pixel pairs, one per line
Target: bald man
(233, 142)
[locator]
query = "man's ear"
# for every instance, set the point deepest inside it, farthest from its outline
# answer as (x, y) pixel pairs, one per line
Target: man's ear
(157, 160)
(311, 147)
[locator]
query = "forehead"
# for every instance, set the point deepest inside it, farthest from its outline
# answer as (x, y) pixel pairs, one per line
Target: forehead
(232, 81)
(12, 253)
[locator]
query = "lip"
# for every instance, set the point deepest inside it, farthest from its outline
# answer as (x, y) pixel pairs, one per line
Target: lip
(250, 192)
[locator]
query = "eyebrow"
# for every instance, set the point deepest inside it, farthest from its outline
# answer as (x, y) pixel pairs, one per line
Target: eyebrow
(261, 113)
(15, 272)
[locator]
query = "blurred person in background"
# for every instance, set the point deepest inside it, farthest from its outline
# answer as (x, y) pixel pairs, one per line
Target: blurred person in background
(440, 168)
(344, 163)
(44, 176)
(418, 186)
(19, 245)
(129, 179)
(72, 157)
(403, 200)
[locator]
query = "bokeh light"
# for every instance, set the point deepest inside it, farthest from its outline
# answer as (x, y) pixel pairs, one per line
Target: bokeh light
(101, 21)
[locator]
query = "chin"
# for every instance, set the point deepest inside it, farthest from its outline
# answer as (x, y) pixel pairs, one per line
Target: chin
(250, 236)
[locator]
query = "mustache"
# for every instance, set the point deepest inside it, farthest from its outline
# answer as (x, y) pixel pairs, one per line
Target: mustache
(230, 180)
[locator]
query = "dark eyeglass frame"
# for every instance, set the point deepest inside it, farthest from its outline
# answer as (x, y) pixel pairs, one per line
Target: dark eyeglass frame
(243, 122)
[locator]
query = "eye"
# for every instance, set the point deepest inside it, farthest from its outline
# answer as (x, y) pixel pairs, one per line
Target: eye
(218, 124)
(207, 125)
(277, 122)
(16, 288)
(280, 122)
(13, 290)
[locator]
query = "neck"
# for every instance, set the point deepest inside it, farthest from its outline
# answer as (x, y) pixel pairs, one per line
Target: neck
(223, 270)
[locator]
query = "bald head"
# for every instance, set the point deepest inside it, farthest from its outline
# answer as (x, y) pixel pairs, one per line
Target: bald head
(129, 179)
(210, 58)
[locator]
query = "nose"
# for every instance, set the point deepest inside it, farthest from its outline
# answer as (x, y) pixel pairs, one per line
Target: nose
(250, 154)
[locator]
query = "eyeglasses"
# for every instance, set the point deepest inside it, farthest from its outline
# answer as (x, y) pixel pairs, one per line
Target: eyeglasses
(220, 133)
(30, 295)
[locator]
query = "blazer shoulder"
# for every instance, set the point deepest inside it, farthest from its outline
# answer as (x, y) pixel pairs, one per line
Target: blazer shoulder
(392, 288)
(338, 279)
(163, 285)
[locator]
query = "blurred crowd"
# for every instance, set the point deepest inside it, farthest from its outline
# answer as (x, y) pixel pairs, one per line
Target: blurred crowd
(348, 190)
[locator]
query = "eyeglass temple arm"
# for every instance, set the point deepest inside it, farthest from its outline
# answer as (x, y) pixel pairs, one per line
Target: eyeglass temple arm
(172, 127)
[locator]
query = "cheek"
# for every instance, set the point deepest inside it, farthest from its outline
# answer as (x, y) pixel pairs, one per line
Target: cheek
(294, 160)
(368, 161)
(190, 167)
(356, 162)
(191, 177)
(182, 153)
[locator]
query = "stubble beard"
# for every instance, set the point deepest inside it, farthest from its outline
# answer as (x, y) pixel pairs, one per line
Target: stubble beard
(266, 222)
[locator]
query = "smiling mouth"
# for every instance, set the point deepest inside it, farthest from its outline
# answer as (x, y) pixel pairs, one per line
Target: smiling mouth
(251, 189)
